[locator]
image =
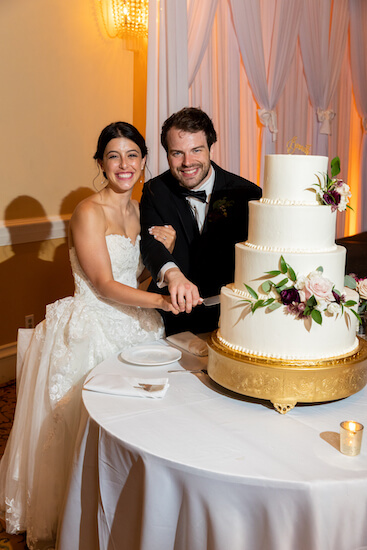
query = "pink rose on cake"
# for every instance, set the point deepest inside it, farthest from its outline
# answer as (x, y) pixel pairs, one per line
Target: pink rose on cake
(318, 286)
(362, 288)
(360, 285)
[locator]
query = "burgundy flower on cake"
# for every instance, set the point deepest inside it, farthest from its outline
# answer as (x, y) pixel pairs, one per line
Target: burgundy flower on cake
(289, 296)
(332, 197)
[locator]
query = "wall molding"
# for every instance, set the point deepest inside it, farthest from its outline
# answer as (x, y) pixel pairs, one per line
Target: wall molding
(29, 230)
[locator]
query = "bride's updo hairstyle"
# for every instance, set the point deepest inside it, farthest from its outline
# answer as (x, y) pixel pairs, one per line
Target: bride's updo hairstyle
(116, 130)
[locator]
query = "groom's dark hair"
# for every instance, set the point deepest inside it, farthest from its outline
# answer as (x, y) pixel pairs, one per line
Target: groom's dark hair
(189, 119)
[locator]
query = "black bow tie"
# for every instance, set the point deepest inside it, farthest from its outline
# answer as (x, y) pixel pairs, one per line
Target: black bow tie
(200, 195)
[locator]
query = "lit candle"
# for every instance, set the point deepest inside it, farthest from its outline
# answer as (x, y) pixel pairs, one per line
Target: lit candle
(350, 437)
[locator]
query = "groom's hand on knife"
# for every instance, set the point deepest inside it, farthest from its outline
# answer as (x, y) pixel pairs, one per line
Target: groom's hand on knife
(184, 294)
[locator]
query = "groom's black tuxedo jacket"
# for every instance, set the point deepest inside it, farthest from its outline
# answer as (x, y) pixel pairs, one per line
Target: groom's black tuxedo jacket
(206, 258)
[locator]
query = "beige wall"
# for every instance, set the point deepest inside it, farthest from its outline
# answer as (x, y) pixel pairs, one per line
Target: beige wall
(62, 80)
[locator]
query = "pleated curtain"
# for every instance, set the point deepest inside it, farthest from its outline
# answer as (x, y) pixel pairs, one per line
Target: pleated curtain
(268, 72)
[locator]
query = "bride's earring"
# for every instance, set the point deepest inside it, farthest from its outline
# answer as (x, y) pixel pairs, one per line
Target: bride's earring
(105, 180)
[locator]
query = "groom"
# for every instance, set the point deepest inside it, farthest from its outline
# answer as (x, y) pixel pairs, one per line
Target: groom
(208, 209)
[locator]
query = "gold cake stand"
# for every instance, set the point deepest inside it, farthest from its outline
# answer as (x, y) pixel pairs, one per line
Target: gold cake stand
(287, 382)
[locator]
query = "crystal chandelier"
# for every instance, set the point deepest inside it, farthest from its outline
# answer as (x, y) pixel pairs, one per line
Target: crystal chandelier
(125, 18)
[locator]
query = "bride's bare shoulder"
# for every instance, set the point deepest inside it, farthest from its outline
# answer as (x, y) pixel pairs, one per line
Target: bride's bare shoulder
(89, 212)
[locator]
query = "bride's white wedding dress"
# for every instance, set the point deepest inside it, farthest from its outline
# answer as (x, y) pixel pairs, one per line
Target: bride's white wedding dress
(78, 333)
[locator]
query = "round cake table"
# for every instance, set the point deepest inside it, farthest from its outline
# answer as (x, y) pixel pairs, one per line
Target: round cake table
(207, 469)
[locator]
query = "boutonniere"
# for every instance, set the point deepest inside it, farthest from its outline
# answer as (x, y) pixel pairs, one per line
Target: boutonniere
(220, 209)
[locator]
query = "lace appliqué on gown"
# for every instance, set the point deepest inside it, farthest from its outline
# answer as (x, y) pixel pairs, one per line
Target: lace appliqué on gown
(78, 333)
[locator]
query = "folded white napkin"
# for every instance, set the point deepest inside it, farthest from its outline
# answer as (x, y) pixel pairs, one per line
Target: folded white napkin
(189, 342)
(117, 384)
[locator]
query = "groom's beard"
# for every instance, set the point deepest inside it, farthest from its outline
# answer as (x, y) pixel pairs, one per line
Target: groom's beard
(192, 177)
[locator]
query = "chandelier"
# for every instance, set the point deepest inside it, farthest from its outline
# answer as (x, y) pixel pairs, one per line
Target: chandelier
(125, 18)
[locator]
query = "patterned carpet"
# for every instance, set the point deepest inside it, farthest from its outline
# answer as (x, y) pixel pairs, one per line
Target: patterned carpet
(7, 407)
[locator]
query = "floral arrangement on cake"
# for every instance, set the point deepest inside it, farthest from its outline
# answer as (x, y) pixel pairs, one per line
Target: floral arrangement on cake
(304, 297)
(332, 191)
(360, 285)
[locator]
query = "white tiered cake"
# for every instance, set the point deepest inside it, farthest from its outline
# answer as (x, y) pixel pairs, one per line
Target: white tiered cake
(287, 326)
(288, 221)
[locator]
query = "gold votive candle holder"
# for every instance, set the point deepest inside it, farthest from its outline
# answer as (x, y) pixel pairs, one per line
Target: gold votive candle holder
(350, 437)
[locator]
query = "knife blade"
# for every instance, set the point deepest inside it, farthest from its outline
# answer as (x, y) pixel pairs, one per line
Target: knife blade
(212, 300)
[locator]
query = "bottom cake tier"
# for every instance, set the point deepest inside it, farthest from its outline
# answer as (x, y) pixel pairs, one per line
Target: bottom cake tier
(286, 383)
(278, 334)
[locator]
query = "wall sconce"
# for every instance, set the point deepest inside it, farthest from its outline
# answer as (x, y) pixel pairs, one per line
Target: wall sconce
(125, 18)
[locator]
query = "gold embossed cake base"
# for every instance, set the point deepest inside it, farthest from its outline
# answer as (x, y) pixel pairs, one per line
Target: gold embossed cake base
(287, 382)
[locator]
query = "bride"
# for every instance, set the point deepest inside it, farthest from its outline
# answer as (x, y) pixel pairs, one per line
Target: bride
(107, 313)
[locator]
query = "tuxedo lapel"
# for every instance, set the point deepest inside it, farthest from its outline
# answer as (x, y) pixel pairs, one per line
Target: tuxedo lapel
(219, 185)
(186, 216)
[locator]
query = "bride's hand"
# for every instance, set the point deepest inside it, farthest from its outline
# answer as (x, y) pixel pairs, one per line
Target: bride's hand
(166, 305)
(165, 234)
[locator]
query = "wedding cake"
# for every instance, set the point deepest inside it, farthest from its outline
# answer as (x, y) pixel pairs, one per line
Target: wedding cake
(287, 329)
(291, 241)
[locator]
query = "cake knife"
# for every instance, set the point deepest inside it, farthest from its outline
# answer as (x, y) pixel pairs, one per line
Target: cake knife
(212, 300)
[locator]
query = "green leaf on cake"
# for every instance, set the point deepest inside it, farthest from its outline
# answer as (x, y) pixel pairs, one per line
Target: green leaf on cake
(282, 284)
(350, 303)
(259, 303)
(283, 265)
(311, 302)
(335, 166)
(356, 314)
(291, 273)
(320, 268)
(274, 306)
(350, 282)
(268, 302)
(316, 316)
(251, 292)
(273, 273)
(266, 286)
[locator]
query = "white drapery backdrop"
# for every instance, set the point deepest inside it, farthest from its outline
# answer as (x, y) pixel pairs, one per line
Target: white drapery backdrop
(323, 36)
(242, 63)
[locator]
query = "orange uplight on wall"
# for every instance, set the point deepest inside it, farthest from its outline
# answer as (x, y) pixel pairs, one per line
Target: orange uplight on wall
(125, 18)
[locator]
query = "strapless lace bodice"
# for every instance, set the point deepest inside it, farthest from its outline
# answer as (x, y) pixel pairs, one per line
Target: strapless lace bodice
(125, 262)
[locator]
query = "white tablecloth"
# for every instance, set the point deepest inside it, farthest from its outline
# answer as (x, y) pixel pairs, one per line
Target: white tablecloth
(207, 469)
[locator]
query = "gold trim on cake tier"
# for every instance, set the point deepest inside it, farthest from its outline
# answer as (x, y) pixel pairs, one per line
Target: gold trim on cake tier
(287, 382)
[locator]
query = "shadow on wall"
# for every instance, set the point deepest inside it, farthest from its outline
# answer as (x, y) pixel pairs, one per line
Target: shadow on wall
(27, 282)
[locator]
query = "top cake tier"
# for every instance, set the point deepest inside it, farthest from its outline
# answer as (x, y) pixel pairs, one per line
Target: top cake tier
(289, 179)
